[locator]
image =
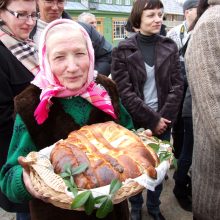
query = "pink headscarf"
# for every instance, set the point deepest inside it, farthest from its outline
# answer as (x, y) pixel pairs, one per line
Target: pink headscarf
(45, 80)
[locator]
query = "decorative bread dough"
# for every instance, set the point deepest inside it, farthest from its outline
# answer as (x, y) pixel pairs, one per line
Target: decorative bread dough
(111, 152)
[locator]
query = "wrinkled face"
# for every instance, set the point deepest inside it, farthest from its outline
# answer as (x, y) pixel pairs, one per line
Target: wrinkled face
(50, 10)
(151, 21)
(190, 15)
(92, 21)
(68, 58)
(21, 28)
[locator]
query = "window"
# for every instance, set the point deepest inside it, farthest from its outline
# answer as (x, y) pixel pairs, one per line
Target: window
(108, 1)
(118, 2)
(127, 2)
(119, 31)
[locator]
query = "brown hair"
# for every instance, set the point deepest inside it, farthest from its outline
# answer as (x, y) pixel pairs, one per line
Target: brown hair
(202, 6)
(4, 3)
(139, 6)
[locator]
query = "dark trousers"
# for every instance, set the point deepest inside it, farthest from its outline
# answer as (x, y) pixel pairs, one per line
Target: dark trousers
(46, 211)
(23, 216)
(153, 197)
(178, 135)
(185, 160)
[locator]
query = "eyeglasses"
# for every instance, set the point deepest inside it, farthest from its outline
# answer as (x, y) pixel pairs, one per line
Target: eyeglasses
(23, 15)
(50, 3)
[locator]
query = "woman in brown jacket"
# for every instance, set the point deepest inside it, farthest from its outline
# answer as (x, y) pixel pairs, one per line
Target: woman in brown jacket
(146, 70)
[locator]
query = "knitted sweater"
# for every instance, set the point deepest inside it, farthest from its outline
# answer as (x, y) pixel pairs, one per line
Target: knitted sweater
(22, 143)
(203, 68)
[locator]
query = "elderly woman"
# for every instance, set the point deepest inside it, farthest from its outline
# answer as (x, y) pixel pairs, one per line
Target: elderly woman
(18, 65)
(66, 94)
(147, 72)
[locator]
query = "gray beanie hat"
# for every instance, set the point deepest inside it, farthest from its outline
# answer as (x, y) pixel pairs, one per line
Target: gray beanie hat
(190, 4)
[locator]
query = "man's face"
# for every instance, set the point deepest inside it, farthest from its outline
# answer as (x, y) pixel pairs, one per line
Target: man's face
(50, 10)
(190, 15)
(92, 21)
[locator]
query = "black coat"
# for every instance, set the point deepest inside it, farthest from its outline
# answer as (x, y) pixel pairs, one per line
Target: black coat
(14, 78)
(129, 73)
(102, 48)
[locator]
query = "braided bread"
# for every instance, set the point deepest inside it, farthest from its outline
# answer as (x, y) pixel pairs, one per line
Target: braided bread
(110, 150)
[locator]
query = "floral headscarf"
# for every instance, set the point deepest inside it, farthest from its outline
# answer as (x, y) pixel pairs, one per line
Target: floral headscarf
(45, 80)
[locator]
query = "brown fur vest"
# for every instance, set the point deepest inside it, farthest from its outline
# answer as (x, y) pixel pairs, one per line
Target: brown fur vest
(59, 124)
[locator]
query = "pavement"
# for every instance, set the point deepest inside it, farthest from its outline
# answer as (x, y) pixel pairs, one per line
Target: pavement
(169, 206)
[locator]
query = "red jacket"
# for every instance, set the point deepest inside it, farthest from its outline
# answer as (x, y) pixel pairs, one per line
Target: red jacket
(129, 73)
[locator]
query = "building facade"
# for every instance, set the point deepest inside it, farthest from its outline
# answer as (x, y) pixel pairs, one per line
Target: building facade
(112, 15)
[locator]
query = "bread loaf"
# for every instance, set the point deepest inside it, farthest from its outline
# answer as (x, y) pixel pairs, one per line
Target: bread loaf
(110, 150)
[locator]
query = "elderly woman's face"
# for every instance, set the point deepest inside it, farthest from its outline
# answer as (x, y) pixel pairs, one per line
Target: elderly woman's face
(20, 17)
(68, 58)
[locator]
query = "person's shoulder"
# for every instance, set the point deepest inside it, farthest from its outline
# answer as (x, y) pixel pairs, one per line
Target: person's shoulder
(28, 97)
(66, 15)
(104, 80)
(87, 27)
(5, 54)
(210, 16)
(166, 40)
(3, 49)
(167, 43)
(174, 30)
(128, 43)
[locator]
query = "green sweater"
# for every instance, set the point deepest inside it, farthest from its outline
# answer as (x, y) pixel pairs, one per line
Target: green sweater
(21, 144)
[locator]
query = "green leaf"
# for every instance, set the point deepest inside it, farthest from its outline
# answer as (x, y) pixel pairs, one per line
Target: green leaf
(72, 181)
(64, 175)
(156, 139)
(81, 168)
(89, 205)
(114, 186)
(155, 147)
(104, 209)
(80, 199)
(164, 155)
(66, 166)
(67, 182)
(101, 199)
(74, 190)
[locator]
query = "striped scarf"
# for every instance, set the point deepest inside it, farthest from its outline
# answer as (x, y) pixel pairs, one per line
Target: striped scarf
(24, 51)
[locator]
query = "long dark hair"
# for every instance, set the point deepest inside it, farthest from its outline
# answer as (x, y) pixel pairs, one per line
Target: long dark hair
(202, 6)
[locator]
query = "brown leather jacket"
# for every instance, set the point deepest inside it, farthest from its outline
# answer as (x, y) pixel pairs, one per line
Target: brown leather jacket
(129, 72)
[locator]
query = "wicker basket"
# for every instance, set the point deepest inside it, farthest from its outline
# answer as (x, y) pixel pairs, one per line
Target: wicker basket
(52, 187)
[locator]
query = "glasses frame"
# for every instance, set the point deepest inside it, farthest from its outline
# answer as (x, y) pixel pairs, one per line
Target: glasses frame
(51, 3)
(17, 14)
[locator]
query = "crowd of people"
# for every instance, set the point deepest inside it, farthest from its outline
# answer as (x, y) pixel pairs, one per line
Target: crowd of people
(51, 68)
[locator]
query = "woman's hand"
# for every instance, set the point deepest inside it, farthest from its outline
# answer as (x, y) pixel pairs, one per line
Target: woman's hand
(161, 126)
(27, 180)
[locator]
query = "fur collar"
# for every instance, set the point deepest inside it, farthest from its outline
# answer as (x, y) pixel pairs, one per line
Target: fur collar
(59, 124)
